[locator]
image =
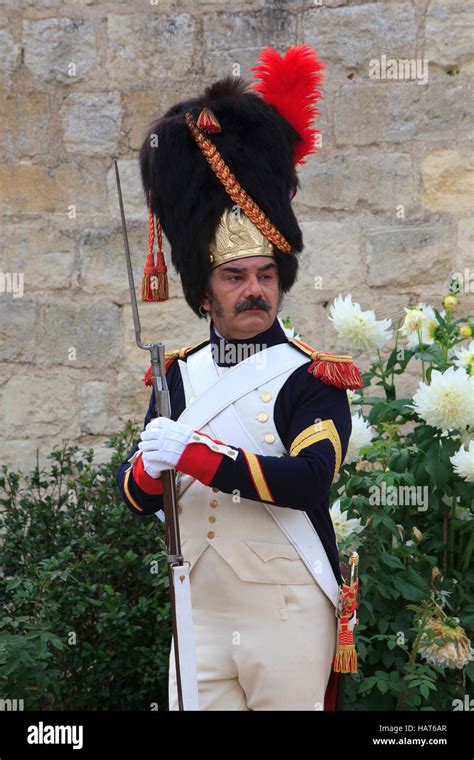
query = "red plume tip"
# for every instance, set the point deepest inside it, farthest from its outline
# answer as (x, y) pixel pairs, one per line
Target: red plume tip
(289, 83)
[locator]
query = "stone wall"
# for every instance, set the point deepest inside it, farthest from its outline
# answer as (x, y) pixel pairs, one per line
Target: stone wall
(385, 206)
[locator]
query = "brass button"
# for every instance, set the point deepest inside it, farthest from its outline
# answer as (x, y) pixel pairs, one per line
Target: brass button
(214, 503)
(195, 438)
(262, 417)
(211, 534)
(211, 518)
(215, 448)
(269, 438)
(216, 490)
(266, 397)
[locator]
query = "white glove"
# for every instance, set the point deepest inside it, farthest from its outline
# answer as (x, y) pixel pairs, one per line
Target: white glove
(162, 443)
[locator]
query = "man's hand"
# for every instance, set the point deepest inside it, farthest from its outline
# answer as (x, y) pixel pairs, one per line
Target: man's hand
(162, 443)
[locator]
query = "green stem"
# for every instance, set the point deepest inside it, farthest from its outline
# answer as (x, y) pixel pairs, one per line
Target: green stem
(448, 320)
(445, 357)
(397, 335)
(388, 395)
(445, 541)
(420, 348)
(414, 652)
(451, 532)
(467, 555)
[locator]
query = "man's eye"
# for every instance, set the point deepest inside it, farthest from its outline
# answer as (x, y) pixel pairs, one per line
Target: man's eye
(238, 277)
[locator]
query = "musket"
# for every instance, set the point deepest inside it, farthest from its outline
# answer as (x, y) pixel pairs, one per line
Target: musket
(178, 569)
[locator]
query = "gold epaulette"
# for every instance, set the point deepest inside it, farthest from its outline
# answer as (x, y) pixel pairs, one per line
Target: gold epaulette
(333, 369)
(170, 356)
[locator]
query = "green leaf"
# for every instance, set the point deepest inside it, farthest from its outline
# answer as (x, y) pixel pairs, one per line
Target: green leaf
(378, 412)
(430, 354)
(407, 589)
(391, 561)
(424, 690)
(434, 466)
(399, 462)
(367, 683)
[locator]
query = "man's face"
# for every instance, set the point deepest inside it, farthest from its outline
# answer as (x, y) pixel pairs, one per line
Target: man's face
(244, 296)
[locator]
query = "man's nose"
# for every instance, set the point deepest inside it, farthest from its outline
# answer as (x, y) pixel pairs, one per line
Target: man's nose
(253, 287)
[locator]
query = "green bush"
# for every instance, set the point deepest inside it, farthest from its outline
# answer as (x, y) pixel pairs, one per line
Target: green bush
(84, 596)
(416, 594)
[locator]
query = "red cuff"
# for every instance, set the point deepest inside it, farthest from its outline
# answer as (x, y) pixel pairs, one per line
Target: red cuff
(199, 461)
(144, 480)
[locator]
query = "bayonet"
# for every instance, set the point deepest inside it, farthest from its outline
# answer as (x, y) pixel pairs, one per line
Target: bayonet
(178, 569)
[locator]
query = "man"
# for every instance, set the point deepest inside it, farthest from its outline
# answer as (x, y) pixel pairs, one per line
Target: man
(259, 423)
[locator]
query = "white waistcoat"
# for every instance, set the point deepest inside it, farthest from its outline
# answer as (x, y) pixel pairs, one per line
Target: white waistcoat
(245, 532)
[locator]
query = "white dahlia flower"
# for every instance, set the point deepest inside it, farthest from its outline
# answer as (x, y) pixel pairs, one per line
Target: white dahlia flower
(464, 356)
(445, 643)
(413, 321)
(361, 435)
(359, 328)
(463, 462)
(428, 326)
(354, 398)
(343, 526)
(448, 402)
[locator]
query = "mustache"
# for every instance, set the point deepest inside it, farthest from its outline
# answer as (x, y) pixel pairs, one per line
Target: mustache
(259, 303)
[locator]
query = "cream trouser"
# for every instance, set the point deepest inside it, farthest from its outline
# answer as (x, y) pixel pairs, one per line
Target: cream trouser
(259, 646)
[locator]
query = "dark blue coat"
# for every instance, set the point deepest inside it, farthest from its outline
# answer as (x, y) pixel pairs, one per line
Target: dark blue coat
(299, 482)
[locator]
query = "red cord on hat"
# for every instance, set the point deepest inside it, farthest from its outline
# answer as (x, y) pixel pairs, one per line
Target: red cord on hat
(155, 280)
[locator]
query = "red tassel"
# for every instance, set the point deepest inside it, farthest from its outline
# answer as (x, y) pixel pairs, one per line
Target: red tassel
(208, 122)
(161, 269)
(338, 371)
(155, 280)
(345, 658)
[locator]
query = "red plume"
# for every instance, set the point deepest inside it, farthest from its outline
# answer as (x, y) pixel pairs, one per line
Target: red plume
(289, 84)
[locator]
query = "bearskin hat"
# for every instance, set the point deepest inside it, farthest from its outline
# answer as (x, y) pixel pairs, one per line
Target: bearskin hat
(261, 134)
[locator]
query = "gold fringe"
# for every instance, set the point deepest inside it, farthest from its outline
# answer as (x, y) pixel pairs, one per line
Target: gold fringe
(345, 659)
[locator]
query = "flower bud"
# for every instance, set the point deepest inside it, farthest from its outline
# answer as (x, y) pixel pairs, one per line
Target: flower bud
(417, 535)
(450, 301)
(413, 320)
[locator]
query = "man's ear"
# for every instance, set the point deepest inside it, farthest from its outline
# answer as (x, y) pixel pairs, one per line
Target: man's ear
(205, 303)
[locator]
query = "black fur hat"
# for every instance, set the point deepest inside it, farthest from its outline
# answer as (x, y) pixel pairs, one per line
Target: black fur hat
(258, 145)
